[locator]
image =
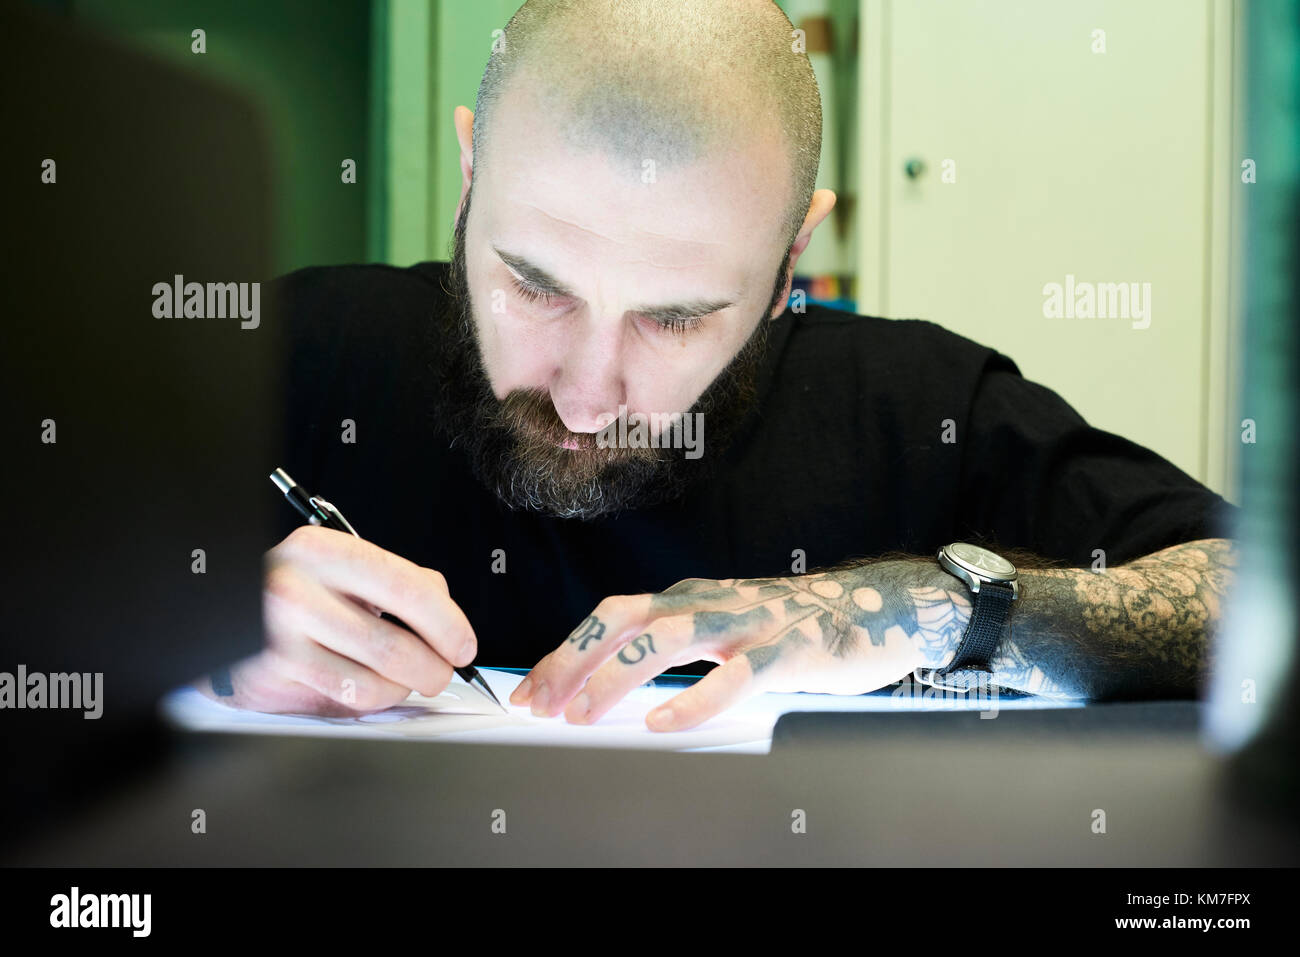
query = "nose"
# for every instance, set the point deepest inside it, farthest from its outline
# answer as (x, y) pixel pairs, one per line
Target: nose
(589, 385)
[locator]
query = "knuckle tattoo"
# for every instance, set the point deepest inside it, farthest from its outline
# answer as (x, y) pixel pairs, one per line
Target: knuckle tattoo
(591, 629)
(636, 650)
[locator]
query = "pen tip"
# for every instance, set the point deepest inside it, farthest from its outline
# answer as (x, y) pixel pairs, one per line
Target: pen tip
(488, 691)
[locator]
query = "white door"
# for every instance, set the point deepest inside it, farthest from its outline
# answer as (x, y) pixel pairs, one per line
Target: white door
(1065, 165)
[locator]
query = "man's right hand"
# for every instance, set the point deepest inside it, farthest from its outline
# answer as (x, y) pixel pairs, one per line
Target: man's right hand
(327, 650)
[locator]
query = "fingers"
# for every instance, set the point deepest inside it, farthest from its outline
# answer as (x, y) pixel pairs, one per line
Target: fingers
(558, 677)
(339, 679)
(775, 663)
(258, 685)
(650, 653)
(700, 619)
(355, 567)
(664, 644)
(720, 689)
(296, 606)
(327, 653)
(305, 678)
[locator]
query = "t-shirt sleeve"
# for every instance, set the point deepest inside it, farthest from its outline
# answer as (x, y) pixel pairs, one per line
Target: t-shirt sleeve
(1035, 475)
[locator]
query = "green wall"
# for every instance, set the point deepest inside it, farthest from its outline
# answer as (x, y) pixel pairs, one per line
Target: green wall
(308, 65)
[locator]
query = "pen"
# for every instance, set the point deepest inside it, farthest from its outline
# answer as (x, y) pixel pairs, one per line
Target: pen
(320, 512)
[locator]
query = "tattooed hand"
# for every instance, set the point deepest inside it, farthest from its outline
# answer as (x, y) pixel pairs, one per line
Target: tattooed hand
(1140, 630)
(845, 631)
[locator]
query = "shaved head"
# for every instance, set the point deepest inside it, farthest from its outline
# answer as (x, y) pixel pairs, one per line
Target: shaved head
(671, 82)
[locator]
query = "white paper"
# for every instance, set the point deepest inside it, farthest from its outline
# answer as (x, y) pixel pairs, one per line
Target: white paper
(463, 714)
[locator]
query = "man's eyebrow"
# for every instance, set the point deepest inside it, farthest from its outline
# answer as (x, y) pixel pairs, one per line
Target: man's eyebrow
(536, 276)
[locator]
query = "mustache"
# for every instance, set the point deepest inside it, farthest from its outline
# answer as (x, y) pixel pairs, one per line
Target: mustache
(531, 414)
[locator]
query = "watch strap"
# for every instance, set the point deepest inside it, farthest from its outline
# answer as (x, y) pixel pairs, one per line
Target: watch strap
(989, 611)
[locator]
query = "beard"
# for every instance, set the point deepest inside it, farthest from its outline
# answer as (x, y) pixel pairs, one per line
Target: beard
(516, 445)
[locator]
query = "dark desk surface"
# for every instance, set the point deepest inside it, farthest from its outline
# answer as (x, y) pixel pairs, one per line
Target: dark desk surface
(877, 789)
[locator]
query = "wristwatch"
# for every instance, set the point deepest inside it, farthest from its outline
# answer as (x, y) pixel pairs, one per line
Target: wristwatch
(993, 586)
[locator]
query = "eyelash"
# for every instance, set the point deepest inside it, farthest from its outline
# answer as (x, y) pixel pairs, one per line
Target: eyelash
(531, 294)
(681, 326)
(677, 327)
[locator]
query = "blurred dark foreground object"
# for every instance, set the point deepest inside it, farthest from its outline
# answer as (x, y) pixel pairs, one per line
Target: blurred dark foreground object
(134, 539)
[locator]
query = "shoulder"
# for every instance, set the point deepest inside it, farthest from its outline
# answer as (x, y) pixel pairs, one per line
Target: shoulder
(891, 354)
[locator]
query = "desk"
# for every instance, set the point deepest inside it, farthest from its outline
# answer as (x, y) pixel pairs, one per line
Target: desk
(1021, 799)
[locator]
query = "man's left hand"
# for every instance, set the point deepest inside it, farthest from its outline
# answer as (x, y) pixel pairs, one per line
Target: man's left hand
(847, 631)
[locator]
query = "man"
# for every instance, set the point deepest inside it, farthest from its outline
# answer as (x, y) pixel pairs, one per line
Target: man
(597, 438)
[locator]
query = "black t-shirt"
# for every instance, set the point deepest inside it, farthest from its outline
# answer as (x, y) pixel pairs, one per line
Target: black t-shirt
(846, 458)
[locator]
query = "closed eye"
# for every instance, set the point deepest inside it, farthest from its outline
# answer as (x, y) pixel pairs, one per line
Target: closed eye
(673, 324)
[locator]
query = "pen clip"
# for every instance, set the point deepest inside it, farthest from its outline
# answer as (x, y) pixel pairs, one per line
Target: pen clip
(328, 509)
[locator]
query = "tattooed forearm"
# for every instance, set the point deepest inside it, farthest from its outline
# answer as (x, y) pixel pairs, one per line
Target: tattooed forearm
(1140, 630)
(1012, 668)
(1136, 631)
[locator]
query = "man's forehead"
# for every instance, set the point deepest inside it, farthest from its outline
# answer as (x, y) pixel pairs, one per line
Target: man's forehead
(721, 206)
(540, 222)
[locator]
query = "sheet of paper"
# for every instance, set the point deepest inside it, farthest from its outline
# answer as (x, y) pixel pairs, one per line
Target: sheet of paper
(462, 713)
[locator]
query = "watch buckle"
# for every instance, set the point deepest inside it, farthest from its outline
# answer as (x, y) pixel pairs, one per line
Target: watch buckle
(935, 681)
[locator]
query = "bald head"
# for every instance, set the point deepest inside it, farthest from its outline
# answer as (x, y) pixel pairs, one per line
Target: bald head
(672, 82)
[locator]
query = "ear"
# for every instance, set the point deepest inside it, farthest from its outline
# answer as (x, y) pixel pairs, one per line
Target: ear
(823, 201)
(464, 120)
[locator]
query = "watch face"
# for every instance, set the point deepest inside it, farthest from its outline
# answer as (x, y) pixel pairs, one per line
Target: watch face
(982, 560)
